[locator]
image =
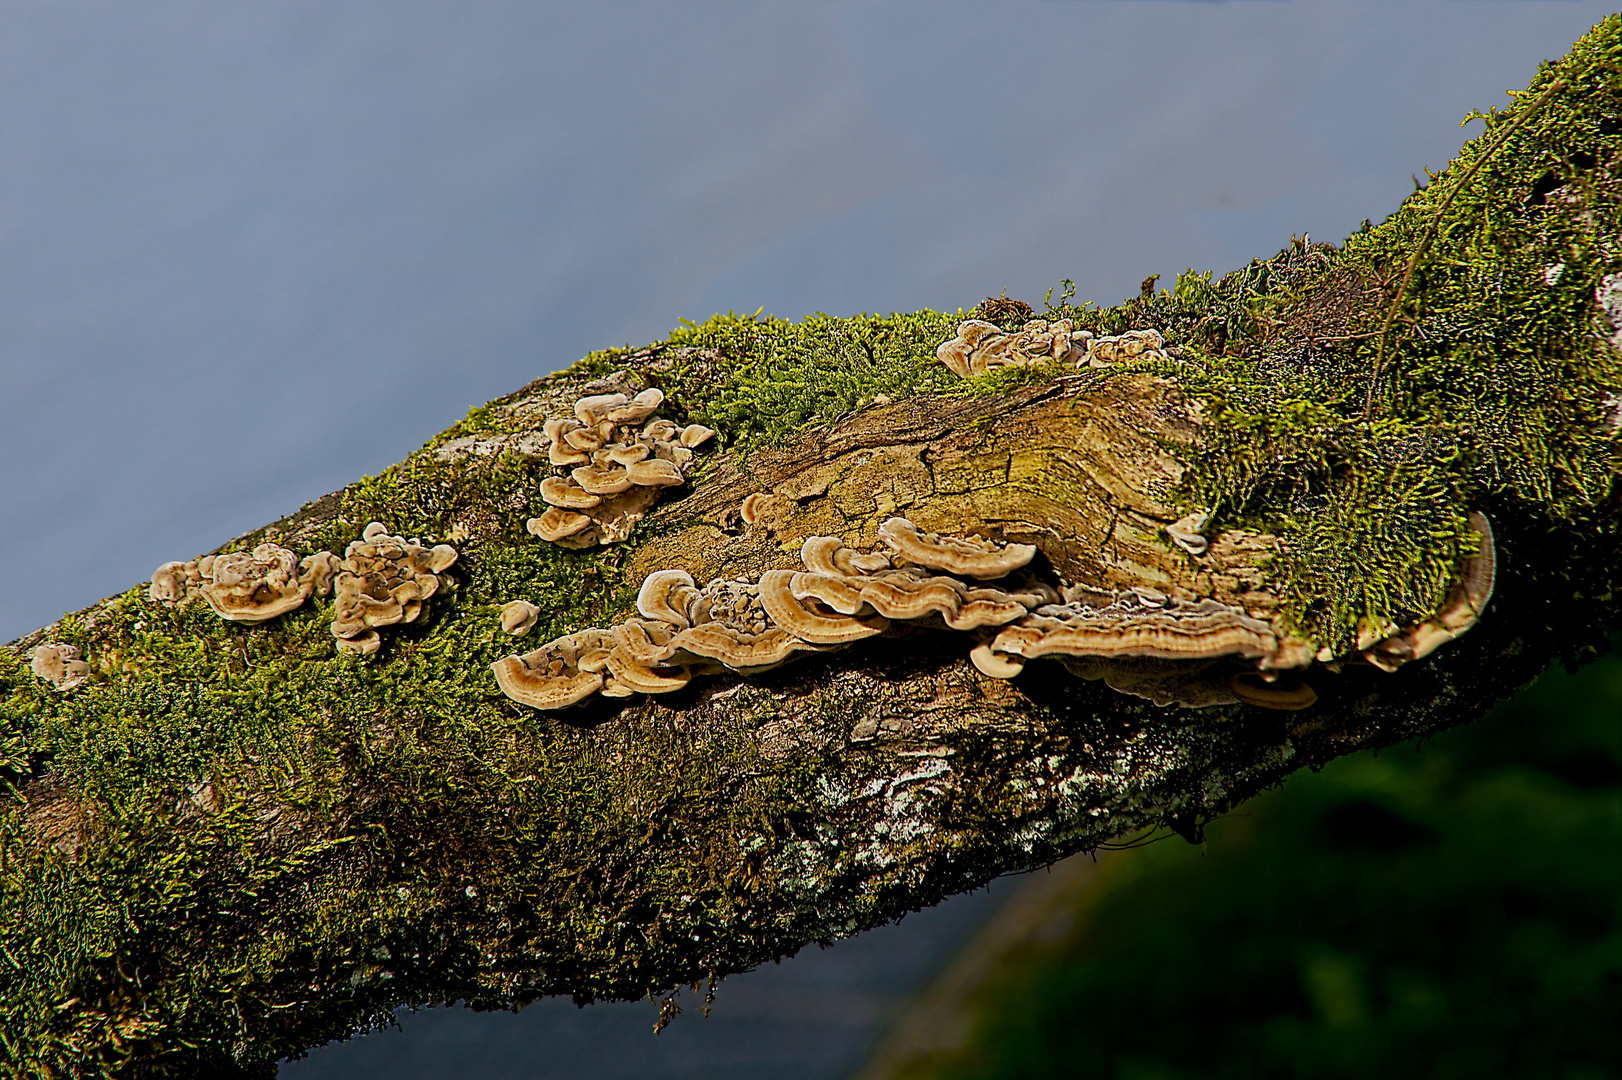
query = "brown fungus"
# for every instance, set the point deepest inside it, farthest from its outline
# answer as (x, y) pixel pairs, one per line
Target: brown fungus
(1464, 606)
(1122, 348)
(59, 665)
(671, 596)
(784, 605)
(384, 580)
(753, 506)
(518, 617)
(618, 456)
(981, 346)
(1289, 692)
(270, 580)
(961, 555)
(1188, 533)
(560, 673)
(1178, 630)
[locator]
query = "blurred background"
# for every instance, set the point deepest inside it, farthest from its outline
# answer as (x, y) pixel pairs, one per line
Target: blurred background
(251, 252)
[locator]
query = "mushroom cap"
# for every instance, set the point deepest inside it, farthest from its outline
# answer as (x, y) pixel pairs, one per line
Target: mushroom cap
(557, 523)
(738, 650)
(829, 555)
(1179, 631)
(258, 585)
(964, 556)
(668, 596)
(59, 665)
(694, 435)
(1465, 605)
(364, 643)
(646, 642)
(659, 430)
(591, 410)
(317, 572)
(561, 453)
(518, 617)
(778, 598)
(558, 491)
(994, 664)
(1287, 693)
(644, 680)
(544, 690)
(602, 481)
(169, 582)
(654, 472)
(908, 595)
(582, 439)
(638, 409)
(620, 454)
(1188, 532)
(752, 506)
(441, 557)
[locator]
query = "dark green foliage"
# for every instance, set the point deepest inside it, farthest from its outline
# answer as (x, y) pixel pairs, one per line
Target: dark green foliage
(1450, 910)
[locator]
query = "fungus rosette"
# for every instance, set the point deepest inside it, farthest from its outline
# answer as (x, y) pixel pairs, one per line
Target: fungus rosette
(614, 457)
(384, 580)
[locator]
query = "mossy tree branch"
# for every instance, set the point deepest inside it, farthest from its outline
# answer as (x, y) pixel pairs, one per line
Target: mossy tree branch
(231, 843)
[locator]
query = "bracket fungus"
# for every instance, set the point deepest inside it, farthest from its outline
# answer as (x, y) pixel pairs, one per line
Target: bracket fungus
(518, 617)
(962, 555)
(1132, 345)
(981, 346)
(1167, 647)
(180, 582)
(618, 456)
(1188, 533)
(754, 506)
(384, 580)
(270, 580)
(59, 665)
(1465, 604)
(246, 586)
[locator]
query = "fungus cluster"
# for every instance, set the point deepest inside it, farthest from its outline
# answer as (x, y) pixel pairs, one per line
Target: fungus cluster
(980, 346)
(246, 586)
(380, 581)
(614, 455)
(1172, 650)
(59, 665)
(841, 597)
(384, 580)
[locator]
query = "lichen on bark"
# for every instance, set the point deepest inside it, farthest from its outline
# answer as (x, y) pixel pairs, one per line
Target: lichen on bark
(232, 843)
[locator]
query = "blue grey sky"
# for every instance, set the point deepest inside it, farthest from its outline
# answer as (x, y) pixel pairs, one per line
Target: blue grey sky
(249, 252)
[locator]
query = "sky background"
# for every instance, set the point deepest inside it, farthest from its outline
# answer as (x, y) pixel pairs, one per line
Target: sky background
(250, 252)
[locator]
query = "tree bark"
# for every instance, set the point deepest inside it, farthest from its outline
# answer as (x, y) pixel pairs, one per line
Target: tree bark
(233, 843)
